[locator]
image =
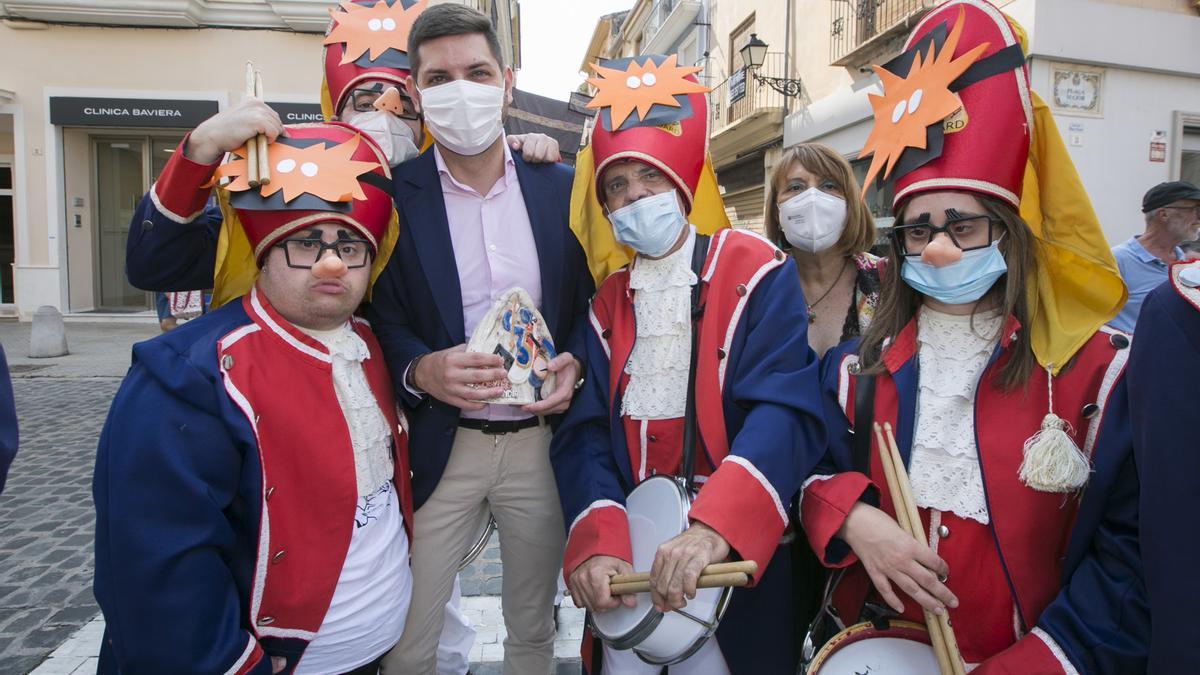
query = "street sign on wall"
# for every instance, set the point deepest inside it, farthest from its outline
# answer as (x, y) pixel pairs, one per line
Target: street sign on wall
(737, 85)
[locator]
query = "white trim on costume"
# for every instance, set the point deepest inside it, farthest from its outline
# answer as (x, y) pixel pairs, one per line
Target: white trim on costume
(758, 476)
(642, 450)
(804, 487)
(736, 317)
(246, 653)
(171, 215)
(1114, 370)
(1057, 651)
(595, 321)
(594, 506)
(287, 337)
(959, 183)
(844, 382)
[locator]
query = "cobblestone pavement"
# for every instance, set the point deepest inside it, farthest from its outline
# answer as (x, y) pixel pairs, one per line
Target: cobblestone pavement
(46, 516)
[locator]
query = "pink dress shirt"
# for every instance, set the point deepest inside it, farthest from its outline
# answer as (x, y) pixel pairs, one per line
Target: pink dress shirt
(494, 250)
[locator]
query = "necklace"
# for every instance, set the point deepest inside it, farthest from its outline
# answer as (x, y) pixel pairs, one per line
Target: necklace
(812, 316)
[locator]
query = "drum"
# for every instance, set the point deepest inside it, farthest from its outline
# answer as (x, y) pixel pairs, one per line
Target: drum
(900, 649)
(657, 510)
(486, 527)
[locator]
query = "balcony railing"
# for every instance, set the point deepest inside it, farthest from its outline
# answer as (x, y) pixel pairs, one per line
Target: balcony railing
(855, 23)
(659, 11)
(740, 95)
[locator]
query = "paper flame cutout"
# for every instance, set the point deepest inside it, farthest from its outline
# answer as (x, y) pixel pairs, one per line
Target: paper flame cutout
(909, 105)
(327, 173)
(640, 87)
(375, 29)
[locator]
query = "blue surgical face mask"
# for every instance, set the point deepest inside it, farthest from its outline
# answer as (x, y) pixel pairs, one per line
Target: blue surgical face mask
(961, 282)
(650, 225)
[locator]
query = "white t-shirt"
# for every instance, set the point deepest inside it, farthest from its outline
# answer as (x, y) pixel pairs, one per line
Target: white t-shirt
(369, 606)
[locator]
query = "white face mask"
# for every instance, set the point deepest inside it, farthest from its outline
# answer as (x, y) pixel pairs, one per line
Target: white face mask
(464, 116)
(813, 220)
(392, 134)
(650, 225)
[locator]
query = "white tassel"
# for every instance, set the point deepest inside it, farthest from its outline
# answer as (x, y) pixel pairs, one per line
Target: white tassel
(1053, 462)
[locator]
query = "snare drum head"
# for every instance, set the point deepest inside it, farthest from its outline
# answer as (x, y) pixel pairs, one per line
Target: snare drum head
(657, 511)
(901, 649)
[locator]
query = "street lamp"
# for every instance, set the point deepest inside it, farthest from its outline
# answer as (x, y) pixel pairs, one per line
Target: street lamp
(753, 55)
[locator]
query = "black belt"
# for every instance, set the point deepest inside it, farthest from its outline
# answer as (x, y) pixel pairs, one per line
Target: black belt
(497, 427)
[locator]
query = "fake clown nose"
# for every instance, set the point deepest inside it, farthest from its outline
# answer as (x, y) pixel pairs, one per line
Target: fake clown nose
(941, 252)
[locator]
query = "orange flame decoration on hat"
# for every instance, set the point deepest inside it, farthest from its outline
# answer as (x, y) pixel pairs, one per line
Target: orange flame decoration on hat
(376, 28)
(909, 105)
(640, 86)
(327, 173)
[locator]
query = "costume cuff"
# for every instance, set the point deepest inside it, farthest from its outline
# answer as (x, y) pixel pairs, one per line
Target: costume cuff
(600, 529)
(179, 193)
(825, 501)
(1034, 653)
(740, 503)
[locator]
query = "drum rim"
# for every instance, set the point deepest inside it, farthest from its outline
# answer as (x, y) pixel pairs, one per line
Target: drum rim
(722, 605)
(480, 545)
(841, 636)
(638, 634)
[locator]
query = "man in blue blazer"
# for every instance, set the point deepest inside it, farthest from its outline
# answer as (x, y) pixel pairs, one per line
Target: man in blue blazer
(475, 221)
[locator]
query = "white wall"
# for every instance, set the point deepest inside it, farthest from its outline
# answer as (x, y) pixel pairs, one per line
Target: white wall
(1114, 158)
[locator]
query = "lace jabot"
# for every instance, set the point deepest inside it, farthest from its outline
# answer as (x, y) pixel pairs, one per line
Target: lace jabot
(662, 348)
(953, 352)
(369, 433)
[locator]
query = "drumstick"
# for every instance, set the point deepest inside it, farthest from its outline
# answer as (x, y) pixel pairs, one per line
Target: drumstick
(264, 161)
(745, 566)
(945, 647)
(252, 142)
(735, 579)
(910, 502)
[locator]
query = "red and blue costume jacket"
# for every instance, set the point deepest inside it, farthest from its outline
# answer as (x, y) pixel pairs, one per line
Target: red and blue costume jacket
(225, 494)
(1052, 584)
(759, 417)
(1164, 369)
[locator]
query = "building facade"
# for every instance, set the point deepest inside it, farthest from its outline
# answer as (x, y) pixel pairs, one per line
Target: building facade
(94, 99)
(1126, 100)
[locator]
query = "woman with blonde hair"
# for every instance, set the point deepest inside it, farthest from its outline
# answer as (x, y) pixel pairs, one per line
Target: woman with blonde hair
(818, 215)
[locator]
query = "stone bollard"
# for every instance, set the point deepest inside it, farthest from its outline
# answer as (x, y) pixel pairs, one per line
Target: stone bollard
(49, 336)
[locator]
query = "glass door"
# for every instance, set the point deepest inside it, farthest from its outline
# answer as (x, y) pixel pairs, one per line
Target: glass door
(120, 183)
(125, 169)
(6, 233)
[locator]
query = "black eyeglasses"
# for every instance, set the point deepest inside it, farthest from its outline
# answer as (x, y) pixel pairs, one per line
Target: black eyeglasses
(304, 253)
(911, 239)
(364, 100)
(1195, 209)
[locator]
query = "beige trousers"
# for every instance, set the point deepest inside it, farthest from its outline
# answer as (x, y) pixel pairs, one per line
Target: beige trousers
(511, 474)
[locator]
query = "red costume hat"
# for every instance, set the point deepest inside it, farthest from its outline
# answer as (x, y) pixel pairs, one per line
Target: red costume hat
(320, 173)
(367, 40)
(655, 112)
(956, 112)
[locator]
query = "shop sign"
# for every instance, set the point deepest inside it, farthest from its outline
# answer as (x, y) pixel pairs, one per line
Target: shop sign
(297, 113)
(78, 111)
